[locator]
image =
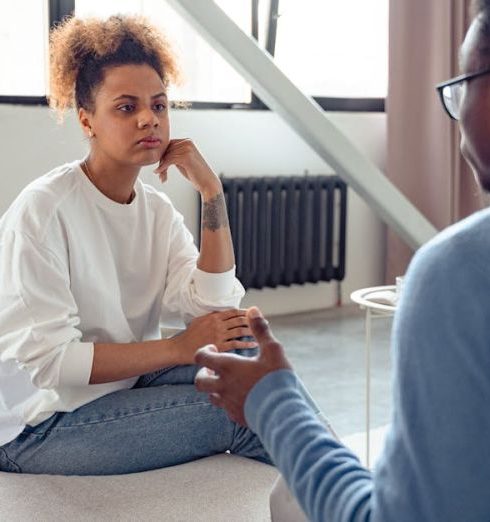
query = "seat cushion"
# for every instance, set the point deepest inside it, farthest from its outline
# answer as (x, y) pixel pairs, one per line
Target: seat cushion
(218, 488)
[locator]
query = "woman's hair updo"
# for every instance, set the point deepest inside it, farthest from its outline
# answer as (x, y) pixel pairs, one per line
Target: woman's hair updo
(81, 49)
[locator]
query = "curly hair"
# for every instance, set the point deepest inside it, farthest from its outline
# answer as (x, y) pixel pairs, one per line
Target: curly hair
(81, 50)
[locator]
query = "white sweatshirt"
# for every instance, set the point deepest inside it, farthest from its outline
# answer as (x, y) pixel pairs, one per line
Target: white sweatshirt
(77, 268)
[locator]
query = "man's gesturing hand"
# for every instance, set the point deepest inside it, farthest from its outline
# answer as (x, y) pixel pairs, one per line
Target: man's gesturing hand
(232, 376)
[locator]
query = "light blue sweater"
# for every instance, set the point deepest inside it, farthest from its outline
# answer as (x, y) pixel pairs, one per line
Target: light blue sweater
(436, 462)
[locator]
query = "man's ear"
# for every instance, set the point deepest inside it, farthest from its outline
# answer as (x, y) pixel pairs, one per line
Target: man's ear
(85, 119)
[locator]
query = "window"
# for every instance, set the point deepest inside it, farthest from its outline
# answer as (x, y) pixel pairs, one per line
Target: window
(22, 60)
(208, 77)
(327, 58)
(343, 65)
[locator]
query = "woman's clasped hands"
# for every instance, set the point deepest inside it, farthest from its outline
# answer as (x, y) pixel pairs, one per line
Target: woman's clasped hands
(223, 329)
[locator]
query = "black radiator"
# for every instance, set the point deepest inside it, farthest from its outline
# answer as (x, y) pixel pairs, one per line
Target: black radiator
(287, 229)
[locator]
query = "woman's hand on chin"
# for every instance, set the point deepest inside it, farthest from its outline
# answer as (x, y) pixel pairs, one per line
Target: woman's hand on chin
(186, 157)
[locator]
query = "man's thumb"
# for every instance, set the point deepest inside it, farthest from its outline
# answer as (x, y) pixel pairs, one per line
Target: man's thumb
(271, 349)
(259, 326)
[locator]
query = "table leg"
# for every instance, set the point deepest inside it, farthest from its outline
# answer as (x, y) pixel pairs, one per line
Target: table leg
(368, 383)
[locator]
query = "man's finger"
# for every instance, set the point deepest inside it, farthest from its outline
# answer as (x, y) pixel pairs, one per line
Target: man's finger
(237, 417)
(206, 382)
(215, 399)
(209, 357)
(260, 326)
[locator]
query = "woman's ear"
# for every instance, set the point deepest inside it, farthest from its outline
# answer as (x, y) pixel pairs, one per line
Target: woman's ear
(85, 120)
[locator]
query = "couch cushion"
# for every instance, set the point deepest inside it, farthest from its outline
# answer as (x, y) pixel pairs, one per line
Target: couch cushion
(218, 488)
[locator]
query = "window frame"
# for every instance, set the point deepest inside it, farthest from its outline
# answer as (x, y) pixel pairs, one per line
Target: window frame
(58, 9)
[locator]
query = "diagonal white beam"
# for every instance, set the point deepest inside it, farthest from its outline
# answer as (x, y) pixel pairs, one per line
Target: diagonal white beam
(306, 118)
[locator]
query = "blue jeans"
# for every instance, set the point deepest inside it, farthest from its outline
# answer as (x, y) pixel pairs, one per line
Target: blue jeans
(162, 421)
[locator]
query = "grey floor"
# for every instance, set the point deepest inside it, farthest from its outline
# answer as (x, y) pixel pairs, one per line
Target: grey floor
(327, 349)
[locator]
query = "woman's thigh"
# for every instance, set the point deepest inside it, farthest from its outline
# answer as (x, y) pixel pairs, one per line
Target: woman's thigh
(183, 374)
(129, 431)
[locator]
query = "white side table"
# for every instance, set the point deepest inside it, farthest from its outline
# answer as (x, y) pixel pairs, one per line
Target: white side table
(378, 301)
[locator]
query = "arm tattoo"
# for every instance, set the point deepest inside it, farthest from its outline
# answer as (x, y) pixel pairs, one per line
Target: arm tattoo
(214, 213)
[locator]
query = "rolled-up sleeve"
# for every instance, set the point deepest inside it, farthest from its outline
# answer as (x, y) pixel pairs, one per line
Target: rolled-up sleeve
(218, 287)
(39, 316)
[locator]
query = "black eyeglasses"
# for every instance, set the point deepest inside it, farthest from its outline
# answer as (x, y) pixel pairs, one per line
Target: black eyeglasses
(451, 92)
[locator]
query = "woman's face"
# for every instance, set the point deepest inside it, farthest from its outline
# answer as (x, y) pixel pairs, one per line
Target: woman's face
(475, 108)
(130, 121)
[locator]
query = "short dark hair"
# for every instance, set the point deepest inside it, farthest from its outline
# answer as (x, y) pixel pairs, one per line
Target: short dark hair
(477, 6)
(481, 9)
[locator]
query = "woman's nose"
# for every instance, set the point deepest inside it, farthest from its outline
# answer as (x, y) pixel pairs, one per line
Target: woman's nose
(147, 118)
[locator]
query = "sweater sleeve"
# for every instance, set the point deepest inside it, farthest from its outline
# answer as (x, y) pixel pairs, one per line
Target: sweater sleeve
(190, 291)
(38, 315)
(434, 464)
(326, 478)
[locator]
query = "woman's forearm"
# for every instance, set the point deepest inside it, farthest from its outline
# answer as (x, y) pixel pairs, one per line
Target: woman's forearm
(114, 361)
(216, 249)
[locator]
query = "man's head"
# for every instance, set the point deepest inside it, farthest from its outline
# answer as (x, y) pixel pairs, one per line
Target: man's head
(475, 96)
(481, 8)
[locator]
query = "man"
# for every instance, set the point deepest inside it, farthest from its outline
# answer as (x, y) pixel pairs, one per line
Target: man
(436, 462)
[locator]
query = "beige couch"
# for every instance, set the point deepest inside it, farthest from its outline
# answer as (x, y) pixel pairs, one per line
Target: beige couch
(215, 489)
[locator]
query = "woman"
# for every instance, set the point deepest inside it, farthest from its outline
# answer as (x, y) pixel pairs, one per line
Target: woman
(91, 260)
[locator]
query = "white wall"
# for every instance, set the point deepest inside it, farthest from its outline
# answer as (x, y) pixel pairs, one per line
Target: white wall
(237, 143)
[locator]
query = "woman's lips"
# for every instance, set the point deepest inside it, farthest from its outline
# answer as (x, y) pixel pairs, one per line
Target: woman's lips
(150, 142)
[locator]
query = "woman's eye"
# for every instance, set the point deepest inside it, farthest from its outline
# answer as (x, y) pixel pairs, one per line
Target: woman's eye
(126, 108)
(160, 107)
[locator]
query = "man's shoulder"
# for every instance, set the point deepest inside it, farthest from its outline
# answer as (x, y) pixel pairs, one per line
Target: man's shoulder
(454, 263)
(469, 239)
